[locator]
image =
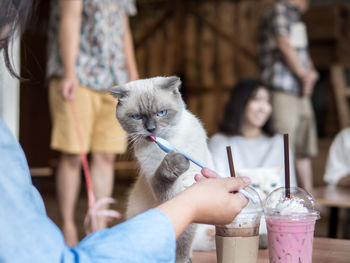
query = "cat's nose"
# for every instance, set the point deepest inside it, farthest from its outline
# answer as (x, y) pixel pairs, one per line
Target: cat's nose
(151, 129)
(150, 125)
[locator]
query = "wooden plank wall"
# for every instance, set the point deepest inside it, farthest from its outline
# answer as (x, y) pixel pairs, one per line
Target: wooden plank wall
(209, 44)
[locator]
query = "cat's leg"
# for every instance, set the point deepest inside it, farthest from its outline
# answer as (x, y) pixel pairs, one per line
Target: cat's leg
(164, 182)
(141, 198)
(184, 245)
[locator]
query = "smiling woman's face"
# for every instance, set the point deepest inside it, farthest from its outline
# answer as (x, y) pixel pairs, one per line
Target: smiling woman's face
(258, 109)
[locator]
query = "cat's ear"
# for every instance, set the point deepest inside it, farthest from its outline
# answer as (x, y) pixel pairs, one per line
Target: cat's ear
(120, 92)
(172, 83)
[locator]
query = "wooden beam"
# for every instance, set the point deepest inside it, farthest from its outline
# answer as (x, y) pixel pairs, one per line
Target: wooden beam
(242, 47)
(339, 88)
(154, 27)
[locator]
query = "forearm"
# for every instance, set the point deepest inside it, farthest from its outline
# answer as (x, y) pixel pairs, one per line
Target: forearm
(69, 33)
(181, 215)
(290, 55)
(344, 181)
(129, 52)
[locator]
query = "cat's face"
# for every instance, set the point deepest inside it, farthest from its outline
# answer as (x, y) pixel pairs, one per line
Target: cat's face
(149, 106)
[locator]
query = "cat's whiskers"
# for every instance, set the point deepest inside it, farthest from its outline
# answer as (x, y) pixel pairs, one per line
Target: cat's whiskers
(135, 138)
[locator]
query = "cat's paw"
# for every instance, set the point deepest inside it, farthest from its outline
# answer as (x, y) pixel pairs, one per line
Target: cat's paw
(176, 163)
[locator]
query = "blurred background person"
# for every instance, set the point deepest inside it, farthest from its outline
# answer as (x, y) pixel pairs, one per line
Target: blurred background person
(338, 169)
(247, 127)
(286, 66)
(90, 50)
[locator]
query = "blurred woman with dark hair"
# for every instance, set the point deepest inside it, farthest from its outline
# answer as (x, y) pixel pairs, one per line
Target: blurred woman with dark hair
(247, 127)
(28, 235)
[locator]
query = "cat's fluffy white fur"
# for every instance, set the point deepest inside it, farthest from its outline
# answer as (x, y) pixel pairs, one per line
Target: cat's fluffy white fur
(190, 137)
(184, 131)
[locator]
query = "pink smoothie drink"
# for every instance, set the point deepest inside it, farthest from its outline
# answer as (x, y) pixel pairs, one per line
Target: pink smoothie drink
(290, 225)
(290, 241)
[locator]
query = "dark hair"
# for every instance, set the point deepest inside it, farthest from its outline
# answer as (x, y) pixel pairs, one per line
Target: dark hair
(234, 113)
(14, 14)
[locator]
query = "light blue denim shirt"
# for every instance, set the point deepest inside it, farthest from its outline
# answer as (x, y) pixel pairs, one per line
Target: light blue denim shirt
(28, 235)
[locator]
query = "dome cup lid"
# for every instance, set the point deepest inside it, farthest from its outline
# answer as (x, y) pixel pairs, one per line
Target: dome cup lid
(299, 205)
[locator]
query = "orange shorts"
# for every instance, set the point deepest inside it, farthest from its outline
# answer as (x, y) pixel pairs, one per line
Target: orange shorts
(101, 132)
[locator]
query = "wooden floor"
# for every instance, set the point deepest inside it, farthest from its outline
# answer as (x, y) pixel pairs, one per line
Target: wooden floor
(125, 179)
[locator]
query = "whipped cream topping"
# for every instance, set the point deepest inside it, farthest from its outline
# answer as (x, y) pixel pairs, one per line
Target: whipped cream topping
(291, 205)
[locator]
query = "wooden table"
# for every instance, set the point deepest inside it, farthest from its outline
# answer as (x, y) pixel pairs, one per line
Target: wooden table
(334, 198)
(326, 250)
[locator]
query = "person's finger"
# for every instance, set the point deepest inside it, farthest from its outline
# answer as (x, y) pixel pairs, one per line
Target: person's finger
(198, 177)
(209, 173)
(234, 184)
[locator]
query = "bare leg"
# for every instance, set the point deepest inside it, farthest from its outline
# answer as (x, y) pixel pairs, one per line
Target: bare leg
(102, 176)
(304, 171)
(68, 186)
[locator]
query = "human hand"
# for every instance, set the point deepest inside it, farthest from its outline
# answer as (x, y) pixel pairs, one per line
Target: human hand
(308, 80)
(215, 199)
(68, 86)
(209, 201)
(206, 173)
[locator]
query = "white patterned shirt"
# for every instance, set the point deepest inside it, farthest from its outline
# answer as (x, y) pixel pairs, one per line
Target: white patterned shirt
(282, 18)
(101, 61)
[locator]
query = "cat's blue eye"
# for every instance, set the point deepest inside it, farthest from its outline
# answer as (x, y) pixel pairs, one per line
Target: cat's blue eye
(162, 113)
(273, 185)
(255, 185)
(136, 116)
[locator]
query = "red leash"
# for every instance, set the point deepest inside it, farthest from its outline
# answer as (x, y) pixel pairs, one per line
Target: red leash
(93, 210)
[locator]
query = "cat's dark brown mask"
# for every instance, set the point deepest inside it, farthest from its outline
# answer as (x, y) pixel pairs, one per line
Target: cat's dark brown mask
(149, 106)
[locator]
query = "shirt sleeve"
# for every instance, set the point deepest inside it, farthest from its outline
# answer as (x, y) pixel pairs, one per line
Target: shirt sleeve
(148, 237)
(29, 235)
(129, 7)
(279, 19)
(338, 165)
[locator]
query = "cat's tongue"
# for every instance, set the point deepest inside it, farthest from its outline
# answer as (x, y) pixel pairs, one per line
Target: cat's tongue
(153, 138)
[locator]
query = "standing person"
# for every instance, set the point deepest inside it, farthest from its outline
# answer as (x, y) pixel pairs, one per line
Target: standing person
(90, 50)
(28, 235)
(247, 127)
(287, 68)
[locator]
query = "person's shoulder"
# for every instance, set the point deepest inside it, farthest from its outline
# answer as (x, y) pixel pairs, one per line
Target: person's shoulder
(344, 132)
(276, 139)
(342, 137)
(218, 137)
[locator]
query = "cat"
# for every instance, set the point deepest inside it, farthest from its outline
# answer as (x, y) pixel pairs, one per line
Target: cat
(264, 181)
(154, 106)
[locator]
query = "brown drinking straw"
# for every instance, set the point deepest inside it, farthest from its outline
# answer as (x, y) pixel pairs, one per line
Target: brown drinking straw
(286, 165)
(230, 161)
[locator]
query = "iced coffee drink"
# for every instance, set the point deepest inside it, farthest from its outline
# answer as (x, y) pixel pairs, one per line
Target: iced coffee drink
(239, 240)
(290, 224)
